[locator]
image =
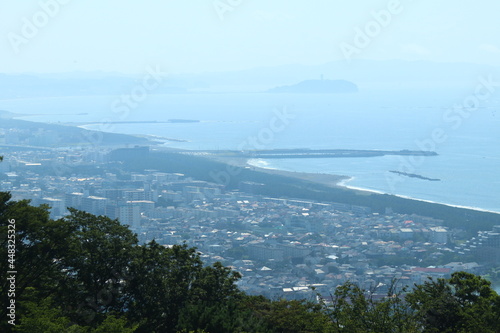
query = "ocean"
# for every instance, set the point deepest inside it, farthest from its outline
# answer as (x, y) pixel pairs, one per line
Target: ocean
(466, 139)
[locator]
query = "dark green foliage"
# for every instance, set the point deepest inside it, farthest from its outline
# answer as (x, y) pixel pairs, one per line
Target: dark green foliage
(354, 310)
(87, 274)
(159, 283)
(463, 303)
(99, 254)
(295, 316)
(45, 316)
(39, 243)
(41, 316)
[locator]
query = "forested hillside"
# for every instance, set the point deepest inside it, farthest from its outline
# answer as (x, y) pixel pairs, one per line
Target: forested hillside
(87, 273)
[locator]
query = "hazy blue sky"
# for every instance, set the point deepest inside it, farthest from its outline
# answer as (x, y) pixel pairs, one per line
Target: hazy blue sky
(194, 36)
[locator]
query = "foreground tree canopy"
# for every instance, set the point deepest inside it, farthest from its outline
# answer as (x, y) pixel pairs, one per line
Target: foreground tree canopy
(87, 273)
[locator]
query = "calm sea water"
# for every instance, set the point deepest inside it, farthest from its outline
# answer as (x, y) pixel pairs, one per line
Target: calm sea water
(468, 147)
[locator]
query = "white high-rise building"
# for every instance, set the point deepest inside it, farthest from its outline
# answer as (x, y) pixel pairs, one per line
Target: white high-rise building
(439, 235)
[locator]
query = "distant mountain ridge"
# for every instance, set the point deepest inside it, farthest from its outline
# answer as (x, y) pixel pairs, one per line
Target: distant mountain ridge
(365, 73)
(318, 87)
(43, 135)
(6, 114)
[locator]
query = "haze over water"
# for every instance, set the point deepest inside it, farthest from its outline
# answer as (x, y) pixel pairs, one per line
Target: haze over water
(288, 41)
(466, 165)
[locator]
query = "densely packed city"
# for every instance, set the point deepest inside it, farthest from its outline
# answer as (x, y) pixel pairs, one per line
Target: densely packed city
(282, 247)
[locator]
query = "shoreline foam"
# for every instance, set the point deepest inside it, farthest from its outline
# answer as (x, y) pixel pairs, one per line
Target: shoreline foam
(344, 180)
(344, 184)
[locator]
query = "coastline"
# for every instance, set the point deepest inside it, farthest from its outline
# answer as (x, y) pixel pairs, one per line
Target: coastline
(321, 178)
(341, 181)
(233, 170)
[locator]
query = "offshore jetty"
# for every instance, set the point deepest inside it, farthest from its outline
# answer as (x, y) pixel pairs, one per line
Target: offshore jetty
(307, 153)
(414, 175)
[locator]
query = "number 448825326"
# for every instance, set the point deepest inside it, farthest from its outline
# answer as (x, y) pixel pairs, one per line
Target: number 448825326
(11, 247)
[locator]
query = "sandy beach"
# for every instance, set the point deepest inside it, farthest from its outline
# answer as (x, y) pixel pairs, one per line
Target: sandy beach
(338, 181)
(321, 178)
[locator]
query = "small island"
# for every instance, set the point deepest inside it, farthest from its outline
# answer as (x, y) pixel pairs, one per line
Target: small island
(183, 121)
(413, 175)
(318, 87)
